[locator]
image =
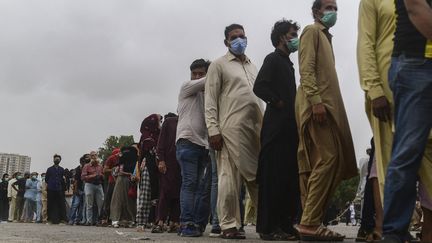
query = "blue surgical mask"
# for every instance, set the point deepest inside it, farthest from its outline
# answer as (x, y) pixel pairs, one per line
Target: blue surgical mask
(329, 18)
(293, 45)
(238, 46)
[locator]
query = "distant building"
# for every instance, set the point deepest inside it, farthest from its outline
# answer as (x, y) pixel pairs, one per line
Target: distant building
(11, 163)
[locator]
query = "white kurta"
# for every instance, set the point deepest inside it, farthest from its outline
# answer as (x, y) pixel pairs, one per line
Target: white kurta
(233, 110)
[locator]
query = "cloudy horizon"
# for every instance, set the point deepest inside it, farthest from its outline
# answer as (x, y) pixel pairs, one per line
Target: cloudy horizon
(72, 73)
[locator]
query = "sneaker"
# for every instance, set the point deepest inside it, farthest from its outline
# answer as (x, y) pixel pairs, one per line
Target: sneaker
(190, 231)
(115, 224)
(215, 232)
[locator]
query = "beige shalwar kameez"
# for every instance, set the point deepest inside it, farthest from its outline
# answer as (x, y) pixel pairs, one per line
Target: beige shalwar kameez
(326, 152)
(233, 110)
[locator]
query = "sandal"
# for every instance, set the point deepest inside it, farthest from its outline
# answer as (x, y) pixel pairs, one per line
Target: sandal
(373, 237)
(278, 236)
(157, 229)
(232, 234)
(173, 229)
(322, 234)
(140, 228)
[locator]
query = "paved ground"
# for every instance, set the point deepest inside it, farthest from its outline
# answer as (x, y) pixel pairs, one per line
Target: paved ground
(21, 232)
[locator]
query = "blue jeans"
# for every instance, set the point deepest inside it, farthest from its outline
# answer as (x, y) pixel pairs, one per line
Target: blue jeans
(39, 209)
(196, 177)
(76, 210)
(93, 193)
(411, 82)
(214, 190)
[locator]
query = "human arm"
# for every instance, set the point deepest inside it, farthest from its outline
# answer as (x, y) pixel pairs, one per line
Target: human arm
(420, 14)
(192, 87)
(263, 88)
(211, 100)
(161, 148)
(14, 186)
(85, 175)
(370, 79)
(307, 62)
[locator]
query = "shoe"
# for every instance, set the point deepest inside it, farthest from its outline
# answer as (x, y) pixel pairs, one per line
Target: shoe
(190, 231)
(115, 224)
(215, 232)
(87, 224)
(241, 231)
(232, 234)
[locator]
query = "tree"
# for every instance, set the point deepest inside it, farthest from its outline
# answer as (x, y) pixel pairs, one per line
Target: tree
(113, 142)
(346, 192)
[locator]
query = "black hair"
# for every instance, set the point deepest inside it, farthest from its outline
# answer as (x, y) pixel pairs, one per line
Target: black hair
(230, 28)
(170, 114)
(316, 6)
(280, 28)
(4, 175)
(200, 63)
(57, 156)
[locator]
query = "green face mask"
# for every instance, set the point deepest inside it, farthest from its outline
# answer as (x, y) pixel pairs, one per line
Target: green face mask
(329, 18)
(293, 45)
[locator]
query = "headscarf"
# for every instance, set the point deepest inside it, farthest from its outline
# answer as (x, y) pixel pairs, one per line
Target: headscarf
(149, 132)
(115, 151)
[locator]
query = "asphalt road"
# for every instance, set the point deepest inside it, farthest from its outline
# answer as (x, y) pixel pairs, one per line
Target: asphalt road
(22, 232)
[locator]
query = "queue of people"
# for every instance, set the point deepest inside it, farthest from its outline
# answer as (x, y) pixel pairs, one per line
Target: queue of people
(290, 158)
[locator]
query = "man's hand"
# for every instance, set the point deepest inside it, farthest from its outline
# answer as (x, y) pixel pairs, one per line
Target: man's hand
(381, 109)
(162, 167)
(319, 113)
(216, 142)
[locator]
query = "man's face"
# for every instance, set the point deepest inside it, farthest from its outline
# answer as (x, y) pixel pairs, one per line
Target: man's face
(93, 156)
(198, 73)
(234, 34)
(327, 5)
(293, 33)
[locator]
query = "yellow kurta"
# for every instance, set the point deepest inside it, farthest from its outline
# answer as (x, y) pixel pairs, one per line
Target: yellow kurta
(326, 152)
(233, 110)
(319, 84)
(376, 26)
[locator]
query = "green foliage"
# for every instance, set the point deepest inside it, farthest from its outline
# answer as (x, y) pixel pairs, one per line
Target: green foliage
(346, 192)
(113, 142)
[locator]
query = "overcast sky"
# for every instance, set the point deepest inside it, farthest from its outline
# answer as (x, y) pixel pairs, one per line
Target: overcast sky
(73, 72)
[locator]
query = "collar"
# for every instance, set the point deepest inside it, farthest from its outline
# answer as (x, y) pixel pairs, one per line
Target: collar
(231, 57)
(283, 54)
(323, 28)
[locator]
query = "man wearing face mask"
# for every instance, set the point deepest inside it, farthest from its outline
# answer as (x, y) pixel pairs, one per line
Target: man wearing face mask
(20, 187)
(326, 152)
(77, 207)
(56, 207)
(234, 119)
(92, 175)
(277, 176)
(30, 198)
